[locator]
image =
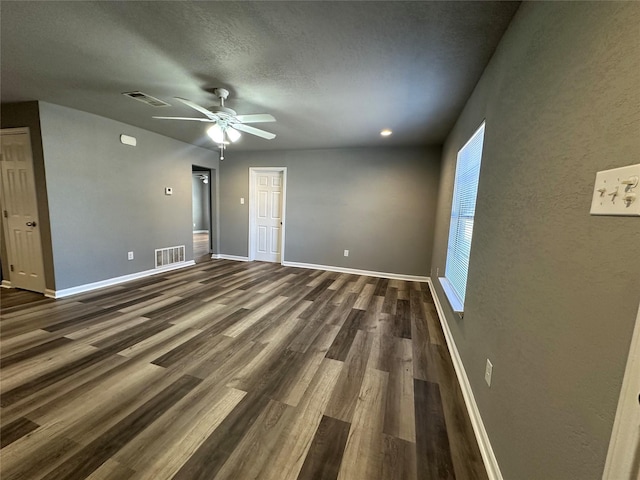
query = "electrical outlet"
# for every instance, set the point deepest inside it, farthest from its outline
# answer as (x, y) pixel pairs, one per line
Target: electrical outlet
(130, 256)
(241, 200)
(346, 253)
(488, 371)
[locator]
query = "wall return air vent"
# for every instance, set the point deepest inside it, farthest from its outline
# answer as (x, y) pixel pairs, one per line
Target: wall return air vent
(169, 256)
(148, 99)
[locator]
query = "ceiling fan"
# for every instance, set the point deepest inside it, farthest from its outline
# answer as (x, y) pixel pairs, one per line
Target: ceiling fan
(227, 124)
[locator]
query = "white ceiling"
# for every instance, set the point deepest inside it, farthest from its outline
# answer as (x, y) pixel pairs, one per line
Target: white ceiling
(332, 73)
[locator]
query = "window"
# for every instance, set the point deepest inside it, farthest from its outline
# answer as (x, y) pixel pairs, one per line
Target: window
(463, 211)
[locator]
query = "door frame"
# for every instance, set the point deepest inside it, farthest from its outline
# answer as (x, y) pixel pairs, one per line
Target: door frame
(5, 227)
(253, 173)
(624, 454)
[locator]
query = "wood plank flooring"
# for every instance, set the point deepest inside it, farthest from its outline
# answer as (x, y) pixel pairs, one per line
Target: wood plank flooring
(201, 247)
(232, 370)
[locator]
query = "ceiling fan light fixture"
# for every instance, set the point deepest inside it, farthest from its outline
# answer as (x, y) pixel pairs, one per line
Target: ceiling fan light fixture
(233, 134)
(227, 124)
(386, 132)
(216, 133)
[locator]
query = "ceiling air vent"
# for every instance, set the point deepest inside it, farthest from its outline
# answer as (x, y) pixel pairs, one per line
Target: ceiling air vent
(148, 99)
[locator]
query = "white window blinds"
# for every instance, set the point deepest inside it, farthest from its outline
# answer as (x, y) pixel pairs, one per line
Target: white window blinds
(463, 212)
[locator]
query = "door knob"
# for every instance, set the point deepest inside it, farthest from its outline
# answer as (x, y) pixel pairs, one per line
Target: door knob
(31, 224)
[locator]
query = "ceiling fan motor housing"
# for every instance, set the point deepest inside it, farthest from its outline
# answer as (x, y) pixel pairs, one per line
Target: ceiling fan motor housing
(221, 93)
(223, 112)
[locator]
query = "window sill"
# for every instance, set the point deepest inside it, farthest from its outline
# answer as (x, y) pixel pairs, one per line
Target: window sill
(454, 301)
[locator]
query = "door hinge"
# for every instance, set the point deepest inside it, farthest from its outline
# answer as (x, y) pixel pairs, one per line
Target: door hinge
(11, 267)
(6, 214)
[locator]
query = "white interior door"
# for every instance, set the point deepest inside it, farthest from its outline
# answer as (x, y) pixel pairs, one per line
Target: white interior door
(623, 460)
(267, 211)
(20, 211)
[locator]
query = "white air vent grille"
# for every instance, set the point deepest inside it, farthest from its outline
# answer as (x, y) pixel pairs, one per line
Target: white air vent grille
(148, 99)
(169, 256)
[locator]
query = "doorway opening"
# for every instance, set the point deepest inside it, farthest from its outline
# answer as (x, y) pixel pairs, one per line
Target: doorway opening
(203, 184)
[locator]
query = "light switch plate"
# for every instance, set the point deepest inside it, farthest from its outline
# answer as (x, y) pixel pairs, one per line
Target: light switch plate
(617, 192)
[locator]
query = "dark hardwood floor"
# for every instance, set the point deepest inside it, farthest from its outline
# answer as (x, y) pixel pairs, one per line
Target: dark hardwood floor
(14, 297)
(233, 370)
(201, 250)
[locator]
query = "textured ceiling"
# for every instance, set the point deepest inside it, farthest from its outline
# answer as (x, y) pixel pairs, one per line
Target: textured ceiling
(332, 73)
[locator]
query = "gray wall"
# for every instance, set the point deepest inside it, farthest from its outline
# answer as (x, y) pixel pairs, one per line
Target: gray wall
(201, 203)
(552, 292)
(106, 199)
(26, 114)
(378, 203)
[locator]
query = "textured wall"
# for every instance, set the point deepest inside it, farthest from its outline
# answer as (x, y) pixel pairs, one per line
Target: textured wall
(553, 292)
(378, 203)
(106, 199)
(26, 114)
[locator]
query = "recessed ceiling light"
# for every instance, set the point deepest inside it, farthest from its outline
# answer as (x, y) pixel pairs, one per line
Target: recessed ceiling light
(386, 132)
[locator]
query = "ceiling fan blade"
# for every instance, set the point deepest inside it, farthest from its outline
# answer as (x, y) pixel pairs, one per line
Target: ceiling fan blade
(256, 118)
(197, 107)
(254, 131)
(186, 118)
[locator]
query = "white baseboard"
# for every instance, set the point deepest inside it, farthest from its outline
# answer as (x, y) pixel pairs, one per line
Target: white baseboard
(221, 256)
(488, 456)
(201, 231)
(6, 284)
(369, 273)
(115, 281)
